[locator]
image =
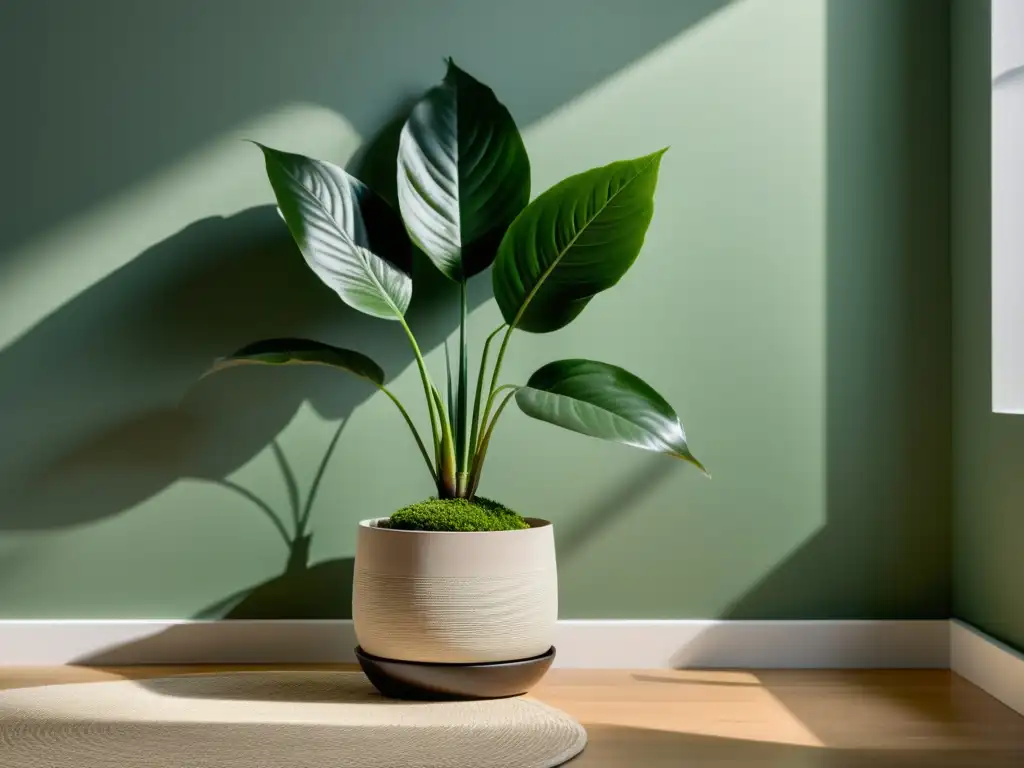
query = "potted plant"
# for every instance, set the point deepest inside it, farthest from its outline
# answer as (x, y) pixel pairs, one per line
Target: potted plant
(460, 582)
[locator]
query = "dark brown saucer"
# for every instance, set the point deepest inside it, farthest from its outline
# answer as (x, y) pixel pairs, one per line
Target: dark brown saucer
(427, 681)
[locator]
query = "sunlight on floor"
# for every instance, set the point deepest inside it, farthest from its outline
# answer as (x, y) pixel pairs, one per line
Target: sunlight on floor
(698, 703)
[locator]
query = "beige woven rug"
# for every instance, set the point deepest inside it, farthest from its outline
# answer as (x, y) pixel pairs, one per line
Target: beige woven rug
(272, 720)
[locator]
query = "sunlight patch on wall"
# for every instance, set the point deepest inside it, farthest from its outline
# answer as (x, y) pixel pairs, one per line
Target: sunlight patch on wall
(221, 178)
(734, 265)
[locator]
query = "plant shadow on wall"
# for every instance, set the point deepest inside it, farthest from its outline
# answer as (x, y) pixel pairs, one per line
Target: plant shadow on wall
(301, 591)
(463, 188)
(241, 275)
(132, 344)
(131, 122)
(88, 395)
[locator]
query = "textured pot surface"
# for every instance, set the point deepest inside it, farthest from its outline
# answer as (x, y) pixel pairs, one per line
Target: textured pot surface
(455, 598)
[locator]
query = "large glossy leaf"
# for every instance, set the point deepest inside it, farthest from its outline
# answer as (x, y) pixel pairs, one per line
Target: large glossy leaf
(604, 401)
(574, 241)
(463, 174)
(302, 352)
(350, 237)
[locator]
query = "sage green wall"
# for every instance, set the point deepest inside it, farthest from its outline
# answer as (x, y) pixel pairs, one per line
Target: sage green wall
(988, 523)
(791, 301)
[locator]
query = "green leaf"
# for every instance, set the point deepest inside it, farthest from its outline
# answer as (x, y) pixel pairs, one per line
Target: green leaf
(463, 174)
(604, 401)
(574, 241)
(349, 236)
(302, 352)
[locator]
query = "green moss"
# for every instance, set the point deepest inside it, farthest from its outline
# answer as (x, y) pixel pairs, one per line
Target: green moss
(456, 515)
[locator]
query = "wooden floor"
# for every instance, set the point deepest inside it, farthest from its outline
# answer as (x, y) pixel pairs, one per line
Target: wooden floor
(690, 719)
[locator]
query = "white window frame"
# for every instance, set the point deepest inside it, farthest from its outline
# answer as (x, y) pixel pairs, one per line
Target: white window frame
(1008, 206)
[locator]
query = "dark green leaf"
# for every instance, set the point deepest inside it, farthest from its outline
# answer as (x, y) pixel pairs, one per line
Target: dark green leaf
(574, 241)
(463, 174)
(604, 401)
(348, 235)
(302, 352)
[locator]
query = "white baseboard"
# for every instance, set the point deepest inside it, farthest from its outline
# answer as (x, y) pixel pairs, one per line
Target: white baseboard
(711, 644)
(995, 668)
(159, 641)
(580, 643)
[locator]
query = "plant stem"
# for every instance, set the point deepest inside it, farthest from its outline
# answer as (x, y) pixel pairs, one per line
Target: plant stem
(447, 482)
(496, 373)
(450, 387)
(478, 397)
(412, 428)
(485, 440)
(435, 409)
(315, 487)
(502, 388)
(462, 416)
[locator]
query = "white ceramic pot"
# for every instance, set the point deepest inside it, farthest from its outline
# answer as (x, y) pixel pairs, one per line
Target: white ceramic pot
(455, 598)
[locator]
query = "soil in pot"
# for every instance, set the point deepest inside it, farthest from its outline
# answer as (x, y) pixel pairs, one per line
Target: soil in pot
(463, 515)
